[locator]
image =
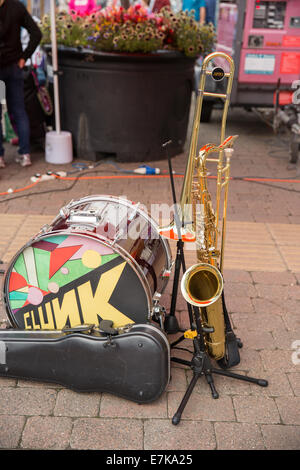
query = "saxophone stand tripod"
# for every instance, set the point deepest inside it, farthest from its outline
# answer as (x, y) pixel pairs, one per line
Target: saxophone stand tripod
(200, 363)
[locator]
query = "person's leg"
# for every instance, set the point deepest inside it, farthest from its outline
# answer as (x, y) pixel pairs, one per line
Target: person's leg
(16, 106)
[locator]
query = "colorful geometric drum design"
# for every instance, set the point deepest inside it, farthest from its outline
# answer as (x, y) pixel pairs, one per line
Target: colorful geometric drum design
(69, 280)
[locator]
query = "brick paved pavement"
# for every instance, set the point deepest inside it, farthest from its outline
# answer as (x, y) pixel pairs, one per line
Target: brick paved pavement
(262, 275)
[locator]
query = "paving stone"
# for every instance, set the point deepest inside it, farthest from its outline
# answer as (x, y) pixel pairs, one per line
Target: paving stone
(254, 257)
(278, 293)
(265, 306)
(115, 407)
(256, 339)
(231, 275)
(239, 289)
(202, 407)
(291, 322)
(188, 435)
(178, 380)
(7, 382)
(285, 339)
(239, 304)
(46, 433)
(289, 409)
(278, 384)
(238, 436)
(294, 378)
(69, 403)
(291, 306)
(107, 434)
(277, 278)
(256, 409)
(181, 303)
(26, 401)
(184, 320)
(11, 428)
(263, 322)
(280, 437)
(278, 360)
(282, 235)
(249, 359)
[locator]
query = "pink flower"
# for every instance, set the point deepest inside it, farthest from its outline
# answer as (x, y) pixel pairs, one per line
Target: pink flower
(82, 7)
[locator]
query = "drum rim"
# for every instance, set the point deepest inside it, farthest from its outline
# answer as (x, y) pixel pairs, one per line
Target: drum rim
(127, 258)
(128, 203)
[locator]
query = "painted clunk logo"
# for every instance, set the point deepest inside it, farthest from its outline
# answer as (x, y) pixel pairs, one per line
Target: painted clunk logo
(72, 280)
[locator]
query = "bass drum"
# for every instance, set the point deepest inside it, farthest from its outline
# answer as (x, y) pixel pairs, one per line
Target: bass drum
(101, 258)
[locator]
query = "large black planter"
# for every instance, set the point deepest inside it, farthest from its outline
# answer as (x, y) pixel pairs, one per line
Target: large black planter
(126, 105)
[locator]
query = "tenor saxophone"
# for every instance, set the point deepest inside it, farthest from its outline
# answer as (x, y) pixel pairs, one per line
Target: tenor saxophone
(202, 283)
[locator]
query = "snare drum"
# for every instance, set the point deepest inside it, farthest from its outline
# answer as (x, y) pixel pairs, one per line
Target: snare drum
(101, 258)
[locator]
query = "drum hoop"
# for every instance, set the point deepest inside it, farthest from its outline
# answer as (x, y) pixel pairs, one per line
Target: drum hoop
(123, 253)
(130, 204)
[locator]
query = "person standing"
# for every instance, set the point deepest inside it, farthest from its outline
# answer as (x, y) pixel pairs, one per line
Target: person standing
(210, 11)
(14, 16)
(198, 6)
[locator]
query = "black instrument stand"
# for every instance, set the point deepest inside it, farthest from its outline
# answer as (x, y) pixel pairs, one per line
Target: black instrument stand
(201, 362)
(201, 365)
(171, 325)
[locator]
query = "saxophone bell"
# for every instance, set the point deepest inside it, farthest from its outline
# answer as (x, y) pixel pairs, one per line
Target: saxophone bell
(202, 285)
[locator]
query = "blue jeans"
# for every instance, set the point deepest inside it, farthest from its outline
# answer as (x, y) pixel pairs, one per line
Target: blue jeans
(12, 76)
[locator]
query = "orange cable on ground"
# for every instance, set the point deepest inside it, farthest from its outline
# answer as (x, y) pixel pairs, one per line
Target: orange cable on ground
(73, 178)
(18, 190)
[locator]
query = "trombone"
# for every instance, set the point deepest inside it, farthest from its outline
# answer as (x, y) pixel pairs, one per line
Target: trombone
(223, 165)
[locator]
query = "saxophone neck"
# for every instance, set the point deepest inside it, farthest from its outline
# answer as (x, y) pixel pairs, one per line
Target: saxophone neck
(201, 161)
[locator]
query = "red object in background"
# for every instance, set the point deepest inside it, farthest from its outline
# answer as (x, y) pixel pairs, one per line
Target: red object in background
(285, 97)
(290, 63)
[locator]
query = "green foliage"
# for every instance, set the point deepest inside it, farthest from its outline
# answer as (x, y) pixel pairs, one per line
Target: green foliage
(72, 31)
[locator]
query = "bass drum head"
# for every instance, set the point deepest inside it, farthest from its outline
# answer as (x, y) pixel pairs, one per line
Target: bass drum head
(72, 279)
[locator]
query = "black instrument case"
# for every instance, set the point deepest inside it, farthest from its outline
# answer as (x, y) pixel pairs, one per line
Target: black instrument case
(134, 365)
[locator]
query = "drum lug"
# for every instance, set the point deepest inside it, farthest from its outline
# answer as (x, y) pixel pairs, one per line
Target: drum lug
(167, 273)
(44, 229)
(86, 218)
(158, 313)
(65, 211)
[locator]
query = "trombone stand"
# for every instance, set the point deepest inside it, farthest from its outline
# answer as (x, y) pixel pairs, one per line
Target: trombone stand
(200, 363)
